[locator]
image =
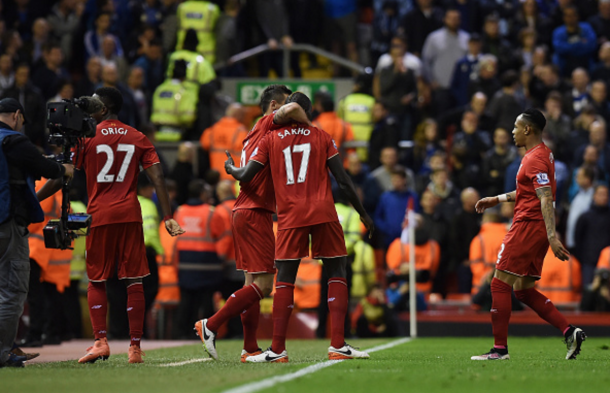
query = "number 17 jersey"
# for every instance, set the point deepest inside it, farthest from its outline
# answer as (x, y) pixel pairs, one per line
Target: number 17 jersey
(111, 160)
(297, 156)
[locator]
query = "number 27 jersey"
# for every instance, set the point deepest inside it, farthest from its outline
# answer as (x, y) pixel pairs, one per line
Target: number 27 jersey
(111, 161)
(297, 156)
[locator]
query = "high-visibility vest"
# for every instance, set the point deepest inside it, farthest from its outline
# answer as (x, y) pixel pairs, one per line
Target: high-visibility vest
(225, 247)
(52, 210)
(226, 134)
(357, 110)
(561, 280)
(427, 257)
(167, 264)
(484, 249)
(604, 259)
(350, 222)
(307, 286)
(174, 108)
(363, 269)
(338, 129)
(78, 264)
(200, 16)
(150, 224)
(198, 262)
(199, 69)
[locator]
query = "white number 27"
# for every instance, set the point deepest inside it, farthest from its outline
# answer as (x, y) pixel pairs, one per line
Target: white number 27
(306, 150)
(103, 176)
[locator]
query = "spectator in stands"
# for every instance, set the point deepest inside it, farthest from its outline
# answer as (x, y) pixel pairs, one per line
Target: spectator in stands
(169, 25)
(357, 170)
(578, 97)
(47, 77)
(477, 142)
(40, 37)
(592, 235)
(437, 227)
(466, 70)
(527, 41)
(228, 41)
(389, 213)
(487, 81)
(379, 180)
(484, 248)
(152, 64)
(87, 84)
(384, 134)
(590, 159)
(545, 80)
(183, 171)
(464, 227)
(139, 42)
(580, 134)
(600, 22)
(64, 20)
(450, 123)
(427, 144)
(422, 20)
(442, 187)
(580, 203)
(496, 160)
(442, 49)
(135, 84)
(398, 47)
(65, 91)
(597, 139)
(574, 43)
(129, 112)
(7, 75)
(226, 135)
(94, 38)
(12, 44)
(494, 44)
(558, 125)
(505, 106)
(341, 18)
(327, 120)
(602, 69)
(599, 99)
(385, 25)
(109, 56)
(30, 97)
(529, 17)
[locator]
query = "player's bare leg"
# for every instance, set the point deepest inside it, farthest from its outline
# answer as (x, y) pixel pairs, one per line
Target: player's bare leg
(136, 309)
(526, 292)
(337, 306)
(283, 303)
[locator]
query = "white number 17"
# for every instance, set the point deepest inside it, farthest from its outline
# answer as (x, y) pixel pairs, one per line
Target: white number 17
(306, 150)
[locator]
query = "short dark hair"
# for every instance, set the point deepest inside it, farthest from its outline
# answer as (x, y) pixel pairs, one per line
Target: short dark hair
(325, 100)
(112, 99)
(588, 172)
(49, 46)
(196, 188)
(273, 93)
(302, 100)
(534, 118)
(191, 41)
(180, 67)
(399, 170)
(509, 78)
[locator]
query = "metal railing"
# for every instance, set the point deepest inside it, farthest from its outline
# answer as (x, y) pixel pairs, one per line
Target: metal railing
(257, 50)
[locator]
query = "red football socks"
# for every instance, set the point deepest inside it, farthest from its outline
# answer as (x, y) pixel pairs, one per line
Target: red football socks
(249, 320)
(136, 308)
(239, 301)
(98, 305)
(501, 306)
(543, 307)
(283, 303)
(337, 307)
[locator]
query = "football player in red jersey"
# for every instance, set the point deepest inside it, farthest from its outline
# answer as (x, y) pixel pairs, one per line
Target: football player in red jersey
(111, 161)
(520, 259)
(252, 228)
(299, 157)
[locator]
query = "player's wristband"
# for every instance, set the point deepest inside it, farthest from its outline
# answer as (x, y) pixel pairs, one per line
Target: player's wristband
(502, 198)
(168, 217)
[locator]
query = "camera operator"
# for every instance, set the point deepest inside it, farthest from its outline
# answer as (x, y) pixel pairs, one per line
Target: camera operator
(20, 164)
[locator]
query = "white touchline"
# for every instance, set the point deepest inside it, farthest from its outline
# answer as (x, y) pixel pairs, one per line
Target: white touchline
(270, 382)
(185, 362)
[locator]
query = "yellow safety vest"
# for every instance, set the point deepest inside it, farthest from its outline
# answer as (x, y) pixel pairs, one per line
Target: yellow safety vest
(200, 16)
(199, 69)
(78, 264)
(174, 105)
(357, 109)
(363, 269)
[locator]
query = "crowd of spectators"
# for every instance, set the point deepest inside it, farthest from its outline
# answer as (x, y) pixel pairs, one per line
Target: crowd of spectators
(449, 79)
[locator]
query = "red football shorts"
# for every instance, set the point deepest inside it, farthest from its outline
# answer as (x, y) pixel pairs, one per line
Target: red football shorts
(254, 241)
(524, 248)
(327, 241)
(116, 249)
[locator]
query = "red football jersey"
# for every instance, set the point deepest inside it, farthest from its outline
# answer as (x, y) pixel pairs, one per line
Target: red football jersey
(257, 193)
(111, 161)
(297, 156)
(537, 170)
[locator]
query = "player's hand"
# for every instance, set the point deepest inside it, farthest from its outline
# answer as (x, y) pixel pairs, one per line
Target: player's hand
(486, 203)
(368, 223)
(559, 250)
(173, 228)
(229, 163)
(69, 170)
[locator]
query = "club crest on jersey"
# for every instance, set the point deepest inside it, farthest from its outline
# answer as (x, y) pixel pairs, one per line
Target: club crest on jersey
(542, 179)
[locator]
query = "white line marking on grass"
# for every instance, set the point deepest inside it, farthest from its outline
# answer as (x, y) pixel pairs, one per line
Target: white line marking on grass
(177, 364)
(272, 381)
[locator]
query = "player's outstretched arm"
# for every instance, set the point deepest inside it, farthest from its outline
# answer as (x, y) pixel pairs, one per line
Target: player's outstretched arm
(155, 173)
(335, 164)
(244, 174)
(291, 113)
(545, 194)
(488, 202)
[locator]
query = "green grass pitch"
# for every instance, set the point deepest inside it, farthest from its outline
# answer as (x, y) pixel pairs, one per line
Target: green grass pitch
(422, 365)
